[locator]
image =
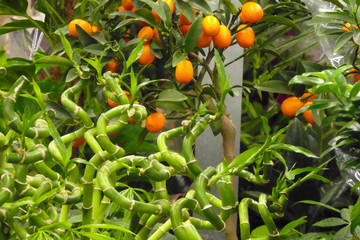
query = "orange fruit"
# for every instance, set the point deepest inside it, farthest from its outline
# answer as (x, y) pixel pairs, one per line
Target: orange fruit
(211, 25)
(183, 19)
(204, 40)
(147, 57)
(155, 122)
(290, 106)
(223, 38)
(112, 66)
(157, 36)
(252, 12)
(356, 78)
(146, 32)
(82, 23)
(184, 28)
(308, 114)
(95, 28)
(78, 142)
(184, 72)
(121, 8)
(128, 5)
(352, 72)
(171, 5)
(112, 103)
(242, 18)
(307, 97)
(245, 37)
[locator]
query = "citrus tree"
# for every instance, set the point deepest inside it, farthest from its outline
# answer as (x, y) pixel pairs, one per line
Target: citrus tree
(83, 151)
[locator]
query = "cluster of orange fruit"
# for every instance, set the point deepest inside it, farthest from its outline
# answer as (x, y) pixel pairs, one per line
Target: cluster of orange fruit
(291, 105)
(251, 12)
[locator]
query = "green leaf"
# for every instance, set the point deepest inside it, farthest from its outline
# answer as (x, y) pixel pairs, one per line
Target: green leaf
(171, 95)
(355, 90)
(275, 86)
(221, 74)
(13, 7)
(83, 161)
(56, 136)
(343, 234)
(145, 15)
(97, 49)
(342, 40)
(57, 225)
(319, 204)
(202, 6)
(193, 36)
(243, 157)
(106, 226)
(177, 57)
(355, 215)
(301, 170)
(186, 9)
(168, 15)
(281, 20)
(84, 37)
(67, 46)
(71, 75)
(292, 148)
(320, 178)
(345, 214)
(260, 232)
(266, 127)
(157, 8)
(135, 54)
(317, 106)
(95, 236)
(21, 202)
(18, 25)
(50, 61)
(306, 80)
(312, 236)
(46, 196)
(357, 37)
(288, 228)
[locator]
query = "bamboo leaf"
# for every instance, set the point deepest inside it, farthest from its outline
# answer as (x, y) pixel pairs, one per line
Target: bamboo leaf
(106, 226)
(67, 46)
(288, 228)
(46, 196)
(135, 54)
(18, 25)
(319, 204)
(292, 148)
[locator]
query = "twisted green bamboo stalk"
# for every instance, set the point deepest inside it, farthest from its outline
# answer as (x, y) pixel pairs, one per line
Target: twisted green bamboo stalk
(73, 107)
(206, 207)
(13, 119)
